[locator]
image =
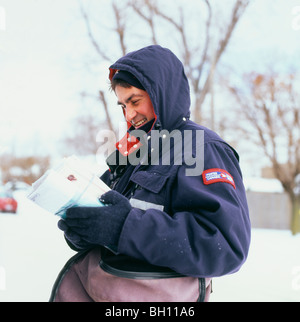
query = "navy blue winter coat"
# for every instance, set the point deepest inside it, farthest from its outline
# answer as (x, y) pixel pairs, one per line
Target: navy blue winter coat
(195, 225)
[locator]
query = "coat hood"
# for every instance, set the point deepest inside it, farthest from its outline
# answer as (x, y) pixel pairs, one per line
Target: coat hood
(162, 75)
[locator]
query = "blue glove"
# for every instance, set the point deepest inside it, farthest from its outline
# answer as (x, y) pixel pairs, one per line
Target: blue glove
(90, 226)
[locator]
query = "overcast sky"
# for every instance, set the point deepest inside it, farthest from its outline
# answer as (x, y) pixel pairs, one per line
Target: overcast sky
(42, 48)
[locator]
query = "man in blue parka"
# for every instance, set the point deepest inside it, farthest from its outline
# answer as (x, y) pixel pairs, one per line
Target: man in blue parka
(177, 213)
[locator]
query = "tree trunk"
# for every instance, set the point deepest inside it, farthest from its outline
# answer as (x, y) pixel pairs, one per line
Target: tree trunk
(295, 222)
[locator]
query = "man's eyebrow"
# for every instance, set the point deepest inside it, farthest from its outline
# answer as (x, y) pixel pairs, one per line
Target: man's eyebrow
(130, 98)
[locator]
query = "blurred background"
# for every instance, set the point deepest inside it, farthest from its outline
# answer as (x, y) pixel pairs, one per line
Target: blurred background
(242, 61)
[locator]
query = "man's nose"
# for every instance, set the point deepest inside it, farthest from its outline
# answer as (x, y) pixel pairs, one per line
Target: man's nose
(130, 113)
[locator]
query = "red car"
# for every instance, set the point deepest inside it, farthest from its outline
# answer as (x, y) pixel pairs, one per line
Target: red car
(8, 202)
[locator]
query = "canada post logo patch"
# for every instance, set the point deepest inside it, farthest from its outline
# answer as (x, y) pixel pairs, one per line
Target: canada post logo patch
(217, 175)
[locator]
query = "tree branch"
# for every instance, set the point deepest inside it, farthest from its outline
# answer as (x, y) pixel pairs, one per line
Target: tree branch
(199, 68)
(120, 28)
(149, 20)
(91, 35)
(108, 118)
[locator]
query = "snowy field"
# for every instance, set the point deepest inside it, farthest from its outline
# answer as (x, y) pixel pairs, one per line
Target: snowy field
(33, 250)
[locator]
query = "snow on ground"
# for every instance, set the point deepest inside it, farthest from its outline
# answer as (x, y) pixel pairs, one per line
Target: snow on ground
(33, 250)
(270, 274)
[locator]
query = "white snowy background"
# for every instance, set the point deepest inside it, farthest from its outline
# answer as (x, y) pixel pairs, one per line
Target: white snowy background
(33, 250)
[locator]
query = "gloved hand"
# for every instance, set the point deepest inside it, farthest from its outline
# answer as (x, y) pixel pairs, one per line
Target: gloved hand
(87, 226)
(72, 239)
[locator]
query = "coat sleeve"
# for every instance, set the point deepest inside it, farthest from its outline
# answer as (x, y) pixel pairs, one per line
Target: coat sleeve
(208, 232)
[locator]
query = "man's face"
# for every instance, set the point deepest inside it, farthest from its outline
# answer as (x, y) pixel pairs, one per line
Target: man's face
(137, 105)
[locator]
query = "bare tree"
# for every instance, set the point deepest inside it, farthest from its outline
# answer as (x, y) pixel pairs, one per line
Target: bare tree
(271, 106)
(82, 137)
(200, 57)
(195, 61)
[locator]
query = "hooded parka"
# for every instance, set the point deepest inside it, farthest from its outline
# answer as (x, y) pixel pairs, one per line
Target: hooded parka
(189, 213)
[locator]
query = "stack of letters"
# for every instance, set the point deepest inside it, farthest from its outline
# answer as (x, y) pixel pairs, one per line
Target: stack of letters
(68, 185)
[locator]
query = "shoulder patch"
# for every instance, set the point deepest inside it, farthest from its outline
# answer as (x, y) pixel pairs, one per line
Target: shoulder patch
(217, 175)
